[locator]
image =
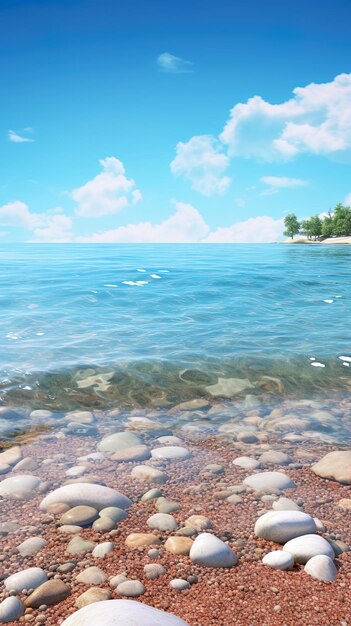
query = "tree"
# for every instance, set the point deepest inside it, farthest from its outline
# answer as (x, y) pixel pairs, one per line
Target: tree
(292, 226)
(315, 226)
(341, 220)
(328, 226)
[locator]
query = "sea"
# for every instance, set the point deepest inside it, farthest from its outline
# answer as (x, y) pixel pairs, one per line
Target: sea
(148, 327)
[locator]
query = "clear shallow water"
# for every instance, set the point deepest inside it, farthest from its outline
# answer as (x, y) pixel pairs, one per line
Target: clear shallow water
(80, 326)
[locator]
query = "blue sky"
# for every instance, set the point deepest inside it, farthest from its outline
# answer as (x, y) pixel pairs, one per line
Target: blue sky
(161, 121)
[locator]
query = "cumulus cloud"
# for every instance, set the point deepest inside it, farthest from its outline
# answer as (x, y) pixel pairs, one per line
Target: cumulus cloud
(20, 138)
(317, 119)
(185, 225)
(48, 226)
(173, 65)
(107, 193)
(263, 229)
(347, 200)
(201, 161)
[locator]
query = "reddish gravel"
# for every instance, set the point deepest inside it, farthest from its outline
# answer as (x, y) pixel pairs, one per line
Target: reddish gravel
(249, 594)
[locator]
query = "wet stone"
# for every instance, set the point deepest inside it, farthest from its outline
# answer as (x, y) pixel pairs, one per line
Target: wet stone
(79, 516)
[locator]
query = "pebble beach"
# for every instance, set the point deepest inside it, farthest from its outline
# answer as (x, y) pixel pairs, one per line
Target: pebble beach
(131, 507)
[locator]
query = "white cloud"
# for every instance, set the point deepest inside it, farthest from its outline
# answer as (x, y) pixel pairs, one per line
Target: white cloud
(263, 229)
(317, 119)
(55, 229)
(107, 193)
(347, 200)
(173, 65)
(48, 226)
(185, 225)
(201, 161)
(275, 183)
(17, 138)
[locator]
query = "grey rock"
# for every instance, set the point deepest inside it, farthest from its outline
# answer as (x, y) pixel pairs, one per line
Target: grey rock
(11, 609)
(131, 588)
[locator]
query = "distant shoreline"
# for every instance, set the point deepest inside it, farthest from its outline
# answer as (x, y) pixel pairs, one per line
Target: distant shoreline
(329, 240)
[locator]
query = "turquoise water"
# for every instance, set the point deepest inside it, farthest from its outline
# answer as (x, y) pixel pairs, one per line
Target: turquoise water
(82, 326)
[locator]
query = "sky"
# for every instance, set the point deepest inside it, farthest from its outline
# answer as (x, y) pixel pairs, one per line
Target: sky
(162, 121)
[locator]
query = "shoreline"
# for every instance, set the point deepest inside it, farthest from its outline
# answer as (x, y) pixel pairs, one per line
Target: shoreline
(329, 240)
(200, 485)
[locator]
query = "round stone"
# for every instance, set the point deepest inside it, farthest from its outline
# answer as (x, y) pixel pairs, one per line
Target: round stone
(275, 457)
(148, 474)
(102, 549)
(11, 609)
(151, 494)
(114, 513)
(137, 540)
(92, 576)
(29, 578)
(80, 516)
(246, 462)
(179, 584)
(31, 546)
(162, 521)
(134, 453)
(21, 484)
(200, 522)
(305, 547)
(78, 545)
(154, 571)
(170, 453)
(279, 559)
(166, 506)
(335, 466)
(281, 526)
(104, 524)
(126, 612)
(119, 441)
(285, 504)
(209, 551)
(51, 592)
(179, 545)
(131, 589)
(321, 567)
(92, 595)
(269, 481)
(87, 494)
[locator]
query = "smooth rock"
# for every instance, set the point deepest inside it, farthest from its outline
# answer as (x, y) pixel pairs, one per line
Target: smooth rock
(11, 456)
(80, 516)
(171, 452)
(134, 453)
(95, 594)
(26, 465)
(179, 545)
(31, 546)
(229, 387)
(23, 484)
(246, 462)
(29, 578)
(281, 526)
(114, 513)
(170, 440)
(246, 437)
(235, 499)
(11, 609)
(279, 559)
(119, 441)
(305, 547)
(200, 522)
(275, 457)
(321, 567)
(51, 592)
(116, 580)
(87, 494)
(285, 504)
(78, 545)
(154, 570)
(104, 524)
(70, 529)
(269, 481)
(102, 549)
(148, 474)
(151, 494)
(209, 551)
(131, 588)
(76, 471)
(137, 540)
(162, 521)
(179, 584)
(122, 613)
(166, 506)
(335, 466)
(92, 576)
